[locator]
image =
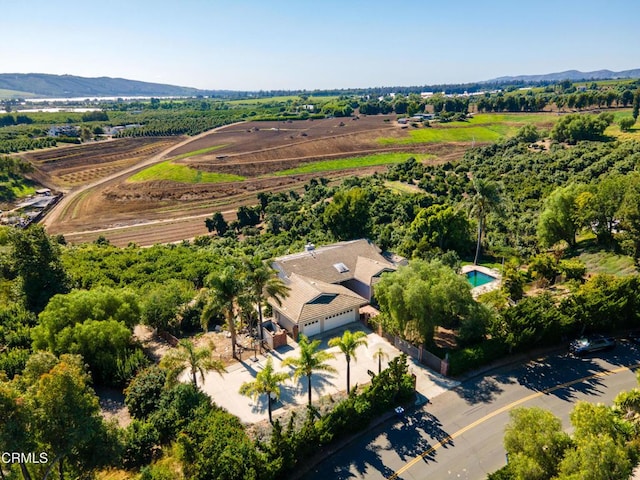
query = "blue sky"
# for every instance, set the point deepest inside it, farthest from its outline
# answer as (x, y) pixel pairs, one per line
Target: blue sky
(304, 44)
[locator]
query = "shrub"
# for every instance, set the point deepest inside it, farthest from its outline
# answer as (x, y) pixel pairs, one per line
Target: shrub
(471, 357)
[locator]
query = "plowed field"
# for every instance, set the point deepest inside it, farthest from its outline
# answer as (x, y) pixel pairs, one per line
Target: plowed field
(154, 211)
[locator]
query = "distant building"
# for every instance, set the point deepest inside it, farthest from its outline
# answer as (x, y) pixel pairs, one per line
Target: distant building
(64, 131)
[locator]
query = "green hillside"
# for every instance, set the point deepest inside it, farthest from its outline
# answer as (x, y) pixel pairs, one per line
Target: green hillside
(45, 85)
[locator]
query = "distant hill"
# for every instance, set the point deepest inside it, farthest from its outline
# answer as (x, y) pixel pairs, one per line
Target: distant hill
(45, 85)
(573, 75)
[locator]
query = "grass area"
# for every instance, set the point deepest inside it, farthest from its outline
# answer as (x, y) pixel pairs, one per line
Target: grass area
(608, 262)
(517, 118)
(401, 187)
(202, 151)
(21, 188)
(443, 134)
(482, 127)
(352, 162)
(181, 173)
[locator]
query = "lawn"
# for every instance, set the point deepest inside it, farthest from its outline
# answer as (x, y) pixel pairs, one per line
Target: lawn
(181, 173)
(607, 262)
(450, 133)
(482, 127)
(352, 162)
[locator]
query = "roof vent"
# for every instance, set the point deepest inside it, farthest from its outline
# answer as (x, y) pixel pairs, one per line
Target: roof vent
(341, 267)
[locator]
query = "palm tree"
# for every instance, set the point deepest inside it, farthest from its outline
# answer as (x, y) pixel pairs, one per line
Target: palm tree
(263, 283)
(380, 354)
(267, 382)
(189, 357)
(486, 199)
(224, 296)
(348, 344)
(310, 360)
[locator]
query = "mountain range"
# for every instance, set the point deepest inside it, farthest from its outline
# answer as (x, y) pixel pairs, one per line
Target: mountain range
(66, 86)
(573, 75)
(28, 85)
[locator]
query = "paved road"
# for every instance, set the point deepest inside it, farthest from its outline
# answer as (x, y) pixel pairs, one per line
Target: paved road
(458, 435)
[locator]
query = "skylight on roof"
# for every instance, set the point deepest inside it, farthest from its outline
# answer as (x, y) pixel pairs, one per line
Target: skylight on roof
(341, 267)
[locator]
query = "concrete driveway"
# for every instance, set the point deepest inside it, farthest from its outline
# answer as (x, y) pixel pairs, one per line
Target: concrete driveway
(223, 389)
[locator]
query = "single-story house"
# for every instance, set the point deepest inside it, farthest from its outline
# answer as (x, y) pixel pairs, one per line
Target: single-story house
(328, 285)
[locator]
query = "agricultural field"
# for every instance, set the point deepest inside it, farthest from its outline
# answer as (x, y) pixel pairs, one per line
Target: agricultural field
(67, 167)
(148, 190)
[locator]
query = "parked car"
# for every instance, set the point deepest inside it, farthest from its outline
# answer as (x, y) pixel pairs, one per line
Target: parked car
(596, 343)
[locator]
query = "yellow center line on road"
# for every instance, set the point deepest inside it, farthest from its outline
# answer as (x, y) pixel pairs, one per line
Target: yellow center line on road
(504, 409)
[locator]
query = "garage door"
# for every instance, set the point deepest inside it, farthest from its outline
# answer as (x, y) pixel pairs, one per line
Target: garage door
(311, 328)
(339, 320)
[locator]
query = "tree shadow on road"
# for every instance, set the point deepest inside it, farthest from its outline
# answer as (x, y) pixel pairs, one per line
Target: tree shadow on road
(415, 435)
(559, 376)
(481, 390)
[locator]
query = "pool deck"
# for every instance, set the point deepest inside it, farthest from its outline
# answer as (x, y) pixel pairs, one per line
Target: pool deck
(487, 287)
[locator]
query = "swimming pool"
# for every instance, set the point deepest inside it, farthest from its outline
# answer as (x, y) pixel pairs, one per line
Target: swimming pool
(477, 278)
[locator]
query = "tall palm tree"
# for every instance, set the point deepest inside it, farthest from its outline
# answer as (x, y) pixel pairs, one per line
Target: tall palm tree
(380, 354)
(267, 382)
(348, 344)
(486, 199)
(310, 360)
(224, 292)
(189, 357)
(263, 283)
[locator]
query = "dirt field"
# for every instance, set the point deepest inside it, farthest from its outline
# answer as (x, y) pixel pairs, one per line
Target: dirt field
(103, 202)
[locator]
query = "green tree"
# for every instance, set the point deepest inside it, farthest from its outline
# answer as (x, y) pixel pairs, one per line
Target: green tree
(267, 382)
(67, 419)
(379, 355)
(629, 215)
(142, 395)
(224, 295)
(596, 458)
(263, 283)
(560, 218)
(308, 361)
(535, 443)
(441, 226)
(36, 259)
(603, 206)
(217, 223)
(348, 344)
(95, 324)
(186, 356)
(347, 216)
(215, 446)
(16, 418)
(576, 127)
(418, 297)
(486, 199)
(626, 123)
(162, 304)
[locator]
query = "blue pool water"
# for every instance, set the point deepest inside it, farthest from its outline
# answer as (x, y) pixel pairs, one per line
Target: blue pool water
(477, 278)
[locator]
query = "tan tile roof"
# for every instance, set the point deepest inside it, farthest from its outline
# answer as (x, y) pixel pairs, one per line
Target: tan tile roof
(361, 258)
(367, 268)
(310, 298)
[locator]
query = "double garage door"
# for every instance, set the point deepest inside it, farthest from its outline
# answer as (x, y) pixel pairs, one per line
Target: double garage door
(329, 323)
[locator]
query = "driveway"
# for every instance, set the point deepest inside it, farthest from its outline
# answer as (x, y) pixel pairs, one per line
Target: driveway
(223, 389)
